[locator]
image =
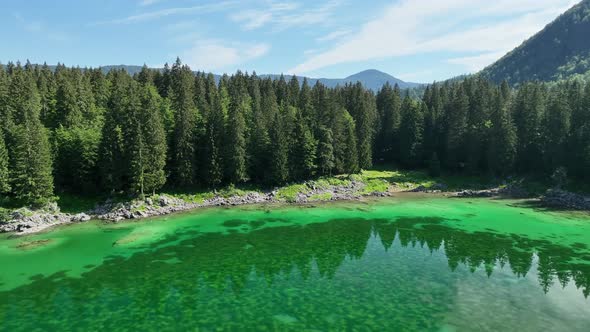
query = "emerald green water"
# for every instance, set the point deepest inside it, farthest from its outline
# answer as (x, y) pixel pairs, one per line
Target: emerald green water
(417, 263)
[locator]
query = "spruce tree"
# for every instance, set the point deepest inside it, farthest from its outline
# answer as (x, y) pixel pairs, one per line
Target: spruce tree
(389, 108)
(153, 143)
(183, 156)
(4, 175)
(529, 107)
(302, 154)
(556, 130)
(325, 152)
(456, 128)
(279, 168)
(502, 151)
(215, 122)
(410, 133)
(31, 170)
(235, 149)
(350, 152)
(112, 166)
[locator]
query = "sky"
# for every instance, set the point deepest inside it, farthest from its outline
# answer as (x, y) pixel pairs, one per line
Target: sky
(415, 40)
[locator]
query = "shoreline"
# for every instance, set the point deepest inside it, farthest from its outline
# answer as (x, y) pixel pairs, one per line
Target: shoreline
(31, 222)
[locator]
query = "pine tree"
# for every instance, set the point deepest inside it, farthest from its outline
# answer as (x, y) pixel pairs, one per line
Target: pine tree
(411, 131)
(456, 128)
(185, 121)
(529, 106)
(145, 76)
(235, 152)
(68, 109)
(556, 130)
(47, 91)
(302, 153)
(259, 147)
(279, 168)
(4, 162)
(305, 102)
(389, 108)
(579, 146)
(152, 156)
(112, 166)
(215, 122)
(325, 153)
(293, 91)
(502, 151)
(5, 116)
(31, 170)
(350, 152)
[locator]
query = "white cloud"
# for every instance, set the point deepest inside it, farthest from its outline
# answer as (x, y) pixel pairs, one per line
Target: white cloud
(39, 28)
(144, 3)
(422, 26)
(147, 16)
(477, 62)
(283, 15)
(214, 55)
(338, 34)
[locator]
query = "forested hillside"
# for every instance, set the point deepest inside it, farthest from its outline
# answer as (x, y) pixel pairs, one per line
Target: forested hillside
(559, 51)
(84, 132)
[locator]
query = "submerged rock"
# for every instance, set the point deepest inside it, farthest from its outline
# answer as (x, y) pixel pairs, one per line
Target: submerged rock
(565, 199)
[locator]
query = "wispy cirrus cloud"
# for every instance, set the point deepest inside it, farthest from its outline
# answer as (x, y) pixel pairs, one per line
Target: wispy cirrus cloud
(480, 28)
(145, 3)
(40, 28)
(335, 35)
(284, 15)
(157, 14)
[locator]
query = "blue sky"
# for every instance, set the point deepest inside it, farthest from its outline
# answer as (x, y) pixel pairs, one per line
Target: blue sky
(415, 40)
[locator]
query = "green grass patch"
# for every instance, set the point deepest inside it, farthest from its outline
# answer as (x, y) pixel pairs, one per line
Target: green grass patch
(289, 193)
(321, 197)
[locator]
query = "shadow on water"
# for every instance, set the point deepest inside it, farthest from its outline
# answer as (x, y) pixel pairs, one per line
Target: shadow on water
(184, 283)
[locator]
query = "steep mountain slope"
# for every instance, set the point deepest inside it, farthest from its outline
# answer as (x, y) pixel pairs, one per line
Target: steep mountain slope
(560, 50)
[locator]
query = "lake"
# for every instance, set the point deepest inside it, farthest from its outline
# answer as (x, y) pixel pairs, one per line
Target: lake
(410, 263)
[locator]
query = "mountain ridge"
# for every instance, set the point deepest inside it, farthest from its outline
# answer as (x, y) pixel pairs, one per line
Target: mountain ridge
(559, 51)
(372, 79)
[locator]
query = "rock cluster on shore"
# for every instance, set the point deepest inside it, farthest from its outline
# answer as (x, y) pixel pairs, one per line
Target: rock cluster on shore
(564, 199)
(512, 191)
(25, 222)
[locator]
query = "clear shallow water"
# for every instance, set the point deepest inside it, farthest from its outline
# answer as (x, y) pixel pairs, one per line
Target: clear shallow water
(412, 263)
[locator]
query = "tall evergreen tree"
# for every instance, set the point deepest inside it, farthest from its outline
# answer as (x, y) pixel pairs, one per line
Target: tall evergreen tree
(502, 151)
(279, 168)
(216, 124)
(325, 152)
(112, 166)
(529, 106)
(151, 158)
(556, 125)
(456, 128)
(411, 132)
(302, 154)
(235, 152)
(350, 152)
(183, 156)
(31, 170)
(4, 162)
(389, 108)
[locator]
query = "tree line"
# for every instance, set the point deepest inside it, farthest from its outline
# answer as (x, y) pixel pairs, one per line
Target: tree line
(82, 131)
